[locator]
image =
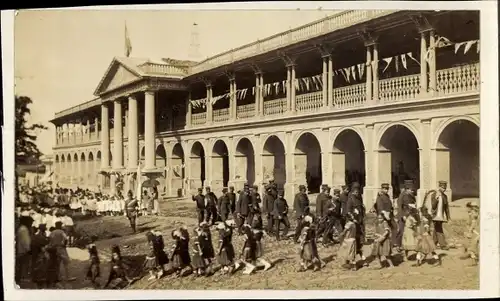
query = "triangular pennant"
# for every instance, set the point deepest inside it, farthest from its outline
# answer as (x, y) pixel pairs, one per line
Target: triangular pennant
(478, 46)
(348, 74)
(388, 62)
(253, 90)
(308, 83)
(411, 57)
(296, 84)
(396, 63)
(353, 72)
(403, 61)
(276, 87)
(468, 45)
(344, 74)
(283, 84)
(457, 46)
(361, 70)
(245, 93)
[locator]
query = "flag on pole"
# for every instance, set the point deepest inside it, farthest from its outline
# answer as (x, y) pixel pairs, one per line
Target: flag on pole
(128, 44)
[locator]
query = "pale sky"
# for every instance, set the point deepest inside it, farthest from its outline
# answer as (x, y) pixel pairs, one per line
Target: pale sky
(61, 55)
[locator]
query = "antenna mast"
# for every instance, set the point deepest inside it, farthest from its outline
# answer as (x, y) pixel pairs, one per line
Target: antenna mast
(194, 46)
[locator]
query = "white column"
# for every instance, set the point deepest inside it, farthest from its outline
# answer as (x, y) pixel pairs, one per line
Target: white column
(432, 64)
(261, 94)
(330, 81)
(424, 160)
(325, 82)
(104, 136)
(189, 110)
(423, 66)
(288, 88)
(209, 104)
(257, 94)
(369, 95)
(292, 94)
(149, 129)
(234, 99)
(96, 128)
(133, 133)
(117, 135)
(375, 73)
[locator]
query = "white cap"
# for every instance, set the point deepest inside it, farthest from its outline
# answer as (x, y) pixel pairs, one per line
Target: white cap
(220, 226)
(25, 213)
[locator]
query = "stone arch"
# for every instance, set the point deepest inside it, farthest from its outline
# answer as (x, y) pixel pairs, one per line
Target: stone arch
(161, 156)
(219, 165)
(399, 157)
(177, 170)
(436, 143)
(457, 157)
(273, 160)
(197, 165)
(97, 165)
(348, 158)
(307, 161)
(244, 161)
(57, 158)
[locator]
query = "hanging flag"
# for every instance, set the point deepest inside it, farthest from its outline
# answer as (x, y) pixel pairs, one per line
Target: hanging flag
(244, 93)
(442, 42)
(353, 72)
(268, 89)
(296, 84)
(308, 83)
(253, 90)
(403, 61)
(478, 46)
(276, 87)
(361, 70)
(319, 82)
(396, 63)
(344, 74)
(458, 45)
(468, 45)
(388, 61)
(128, 44)
(347, 72)
(411, 57)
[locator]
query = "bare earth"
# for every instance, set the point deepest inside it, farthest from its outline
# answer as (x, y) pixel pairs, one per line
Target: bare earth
(453, 274)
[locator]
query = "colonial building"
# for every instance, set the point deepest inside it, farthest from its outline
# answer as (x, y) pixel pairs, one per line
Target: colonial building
(370, 96)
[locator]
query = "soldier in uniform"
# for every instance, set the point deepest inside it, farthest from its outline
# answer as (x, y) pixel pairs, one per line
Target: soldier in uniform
(200, 205)
(301, 207)
(243, 208)
(343, 204)
(280, 214)
(322, 202)
(131, 211)
(255, 209)
(356, 207)
(274, 187)
(232, 199)
(268, 207)
(224, 205)
(405, 198)
(440, 212)
(210, 206)
(383, 203)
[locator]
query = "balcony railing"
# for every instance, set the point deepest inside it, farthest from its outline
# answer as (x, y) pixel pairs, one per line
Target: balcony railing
(451, 81)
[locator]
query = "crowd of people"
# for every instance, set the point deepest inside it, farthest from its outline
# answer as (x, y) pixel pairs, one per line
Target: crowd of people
(339, 219)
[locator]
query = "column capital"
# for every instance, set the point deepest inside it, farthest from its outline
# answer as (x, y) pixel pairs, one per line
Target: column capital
(256, 68)
(422, 22)
(324, 48)
(288, 60)
(368, 37)
(207, 81)
(230, 74)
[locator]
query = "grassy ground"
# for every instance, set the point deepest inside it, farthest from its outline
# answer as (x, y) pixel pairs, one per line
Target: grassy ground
(453, 274)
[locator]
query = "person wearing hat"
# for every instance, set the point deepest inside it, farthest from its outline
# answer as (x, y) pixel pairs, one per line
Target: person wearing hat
(471, 249)
(232, 199)
(280, 214)
(23, 246)
(301, 207)
(200, 205)
(323, 201)
(210, 206)
(383, 201)
(58, 240)
(224, 205)
(405, 200)
(356, 207)
(273, 186)
(256, 200)
(130, 209)
(440, 212)
(268, 207)
(243, 206)
(344, 196)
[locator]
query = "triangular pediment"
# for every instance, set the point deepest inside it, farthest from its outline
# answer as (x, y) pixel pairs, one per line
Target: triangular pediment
(116, 76)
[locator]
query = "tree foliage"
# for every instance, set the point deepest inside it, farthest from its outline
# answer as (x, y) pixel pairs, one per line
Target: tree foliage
(27, 151)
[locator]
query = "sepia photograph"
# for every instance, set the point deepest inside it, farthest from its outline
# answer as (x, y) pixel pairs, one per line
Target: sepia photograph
(299, 148)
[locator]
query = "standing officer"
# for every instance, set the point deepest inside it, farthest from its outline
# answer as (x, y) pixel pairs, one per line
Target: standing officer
(130, 209)
(440, 214)
(255, 209)
(280, 214)
(343, 204)
(268, 207)
(243, 208)
(210, 206)
(200, 205)
(322, 200)
(405, 198)
(301, 207)
(224, 205)
(232, 199)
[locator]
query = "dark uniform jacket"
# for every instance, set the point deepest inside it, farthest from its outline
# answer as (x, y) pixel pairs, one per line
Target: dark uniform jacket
(255, 198)
(268, 203)
(356, 202)
(200, 201)
(232, 200)
(322, 201)
(280, 208)
(434, 204)
(301, 204)
(224, 204)
(211, 200)
(404, 200)
(243, 205)
(383, 203)
(343, 202)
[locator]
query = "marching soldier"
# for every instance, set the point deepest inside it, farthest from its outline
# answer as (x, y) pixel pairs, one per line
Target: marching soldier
(224, 205)
(405, 198)
(383, 203)
(322, 202)
(130, 207)
(232, 199)
(210, 206)
(440, 214)
(301, 207)
(343, 204)
(200, 205)
(268, 207)
(280, 214)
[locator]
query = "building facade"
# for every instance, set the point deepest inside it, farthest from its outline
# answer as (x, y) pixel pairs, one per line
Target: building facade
(368, 96)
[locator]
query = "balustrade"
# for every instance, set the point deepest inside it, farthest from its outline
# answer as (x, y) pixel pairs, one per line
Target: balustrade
(309, 102)
(349, 96)
(275, 106)
(200, 118)
(399, 88)
(221, 115)
(458, 79)
(245, 111)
